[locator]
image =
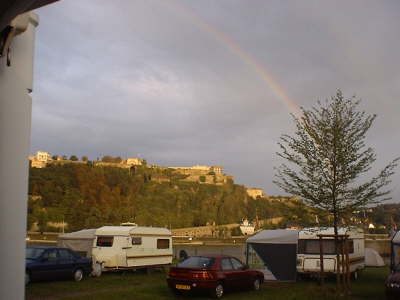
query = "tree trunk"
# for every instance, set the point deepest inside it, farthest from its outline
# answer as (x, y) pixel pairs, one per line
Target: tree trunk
(335, 227)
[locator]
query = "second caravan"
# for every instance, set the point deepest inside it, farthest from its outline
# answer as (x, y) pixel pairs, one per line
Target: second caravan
(120, 247)
(308, 258)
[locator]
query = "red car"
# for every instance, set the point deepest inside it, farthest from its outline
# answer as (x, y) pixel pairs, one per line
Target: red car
(214, 274)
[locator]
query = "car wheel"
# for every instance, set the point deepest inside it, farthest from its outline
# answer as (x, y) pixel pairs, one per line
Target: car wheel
(27, 277)
(78, 275)
(257, 284)
(218, 291)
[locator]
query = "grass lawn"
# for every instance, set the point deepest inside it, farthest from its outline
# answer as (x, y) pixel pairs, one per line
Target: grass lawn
(130, 285)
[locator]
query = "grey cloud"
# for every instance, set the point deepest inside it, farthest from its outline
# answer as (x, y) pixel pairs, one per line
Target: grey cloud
(161, 79)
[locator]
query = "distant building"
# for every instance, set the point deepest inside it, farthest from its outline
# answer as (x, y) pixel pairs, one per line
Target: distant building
(254, 192)
(43, 156)
(134, 161)
(40, 159)
(217, 169)
(198, 167)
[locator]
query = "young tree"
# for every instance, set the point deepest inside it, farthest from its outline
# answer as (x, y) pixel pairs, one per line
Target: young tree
(329, 154)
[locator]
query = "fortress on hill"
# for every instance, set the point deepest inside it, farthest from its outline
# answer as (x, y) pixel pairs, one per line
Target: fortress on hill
(199, 173)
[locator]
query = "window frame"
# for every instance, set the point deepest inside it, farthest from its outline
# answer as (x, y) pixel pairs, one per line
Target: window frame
(137, 238)
(50, 258)
(230, 262)
(302, 246)
(238, 261)
(70, 255)
(160, 243)
(105, 237)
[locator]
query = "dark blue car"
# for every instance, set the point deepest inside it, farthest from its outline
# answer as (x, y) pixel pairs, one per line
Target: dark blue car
(53, 263)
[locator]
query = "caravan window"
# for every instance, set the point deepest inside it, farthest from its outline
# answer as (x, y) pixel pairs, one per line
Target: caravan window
(136, 241)
(312, 246)
(162, 243)
(105, 241)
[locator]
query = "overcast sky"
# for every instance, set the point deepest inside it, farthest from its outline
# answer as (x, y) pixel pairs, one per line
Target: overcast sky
(181, 82)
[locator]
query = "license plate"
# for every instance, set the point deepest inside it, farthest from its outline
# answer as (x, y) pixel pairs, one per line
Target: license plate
(182, 287)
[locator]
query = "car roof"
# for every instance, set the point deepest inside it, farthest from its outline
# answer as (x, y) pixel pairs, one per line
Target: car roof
(45, 247)
(213, 255)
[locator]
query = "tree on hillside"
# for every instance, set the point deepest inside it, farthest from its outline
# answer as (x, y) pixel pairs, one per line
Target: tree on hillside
(85, 158)
(328, 155)
(73, 158)
(107, 159)
(110, 159)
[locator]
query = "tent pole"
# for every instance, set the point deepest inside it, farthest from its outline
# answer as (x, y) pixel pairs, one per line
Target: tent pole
(321, 261)
(247, 254)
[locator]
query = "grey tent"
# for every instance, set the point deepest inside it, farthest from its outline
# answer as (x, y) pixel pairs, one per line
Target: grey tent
(372, 258)
(80, 241)
(274, 252)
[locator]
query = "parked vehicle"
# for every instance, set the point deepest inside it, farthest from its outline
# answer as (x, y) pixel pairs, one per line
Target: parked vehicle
(393, 284)
(308, 256)
(214, 274)
(124, 247)
(54, 263)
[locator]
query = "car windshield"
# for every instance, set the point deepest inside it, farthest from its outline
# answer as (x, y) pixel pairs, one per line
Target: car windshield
(33, 253)
(196, 262)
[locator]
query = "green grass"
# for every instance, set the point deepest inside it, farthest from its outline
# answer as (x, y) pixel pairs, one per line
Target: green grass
(130, 285)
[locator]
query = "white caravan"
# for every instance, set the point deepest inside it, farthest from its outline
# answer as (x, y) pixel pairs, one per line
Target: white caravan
(121, 247)
(308, 257)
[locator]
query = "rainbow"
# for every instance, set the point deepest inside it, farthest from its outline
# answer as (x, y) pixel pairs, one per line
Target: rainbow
(278, 90)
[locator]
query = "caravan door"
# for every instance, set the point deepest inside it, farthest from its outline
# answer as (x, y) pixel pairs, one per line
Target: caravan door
(110, 251)
(134, 251)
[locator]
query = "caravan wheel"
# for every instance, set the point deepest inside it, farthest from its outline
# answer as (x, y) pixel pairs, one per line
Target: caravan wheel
(355, 275)
(96, 270)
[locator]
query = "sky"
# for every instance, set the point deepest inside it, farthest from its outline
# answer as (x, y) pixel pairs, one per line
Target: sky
(181, 83)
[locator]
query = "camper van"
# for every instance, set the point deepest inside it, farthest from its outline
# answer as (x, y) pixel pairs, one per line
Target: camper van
(308, 257)
(123, 247)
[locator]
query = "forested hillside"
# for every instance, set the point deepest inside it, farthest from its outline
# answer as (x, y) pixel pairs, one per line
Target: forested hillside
(85, 196)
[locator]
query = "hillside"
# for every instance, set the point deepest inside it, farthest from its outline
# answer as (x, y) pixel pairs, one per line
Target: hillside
(85, 196)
